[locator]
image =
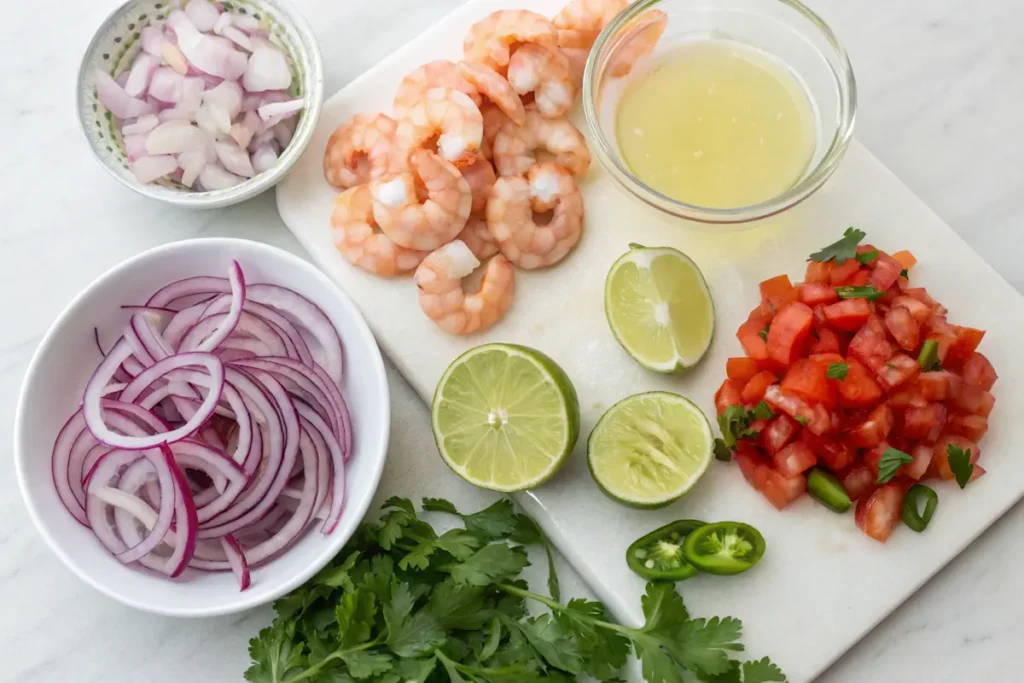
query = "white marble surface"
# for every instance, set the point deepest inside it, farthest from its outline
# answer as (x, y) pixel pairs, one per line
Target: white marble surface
(940, 105)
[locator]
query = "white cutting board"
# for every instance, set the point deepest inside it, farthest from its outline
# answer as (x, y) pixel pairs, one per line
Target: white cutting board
(822, 583)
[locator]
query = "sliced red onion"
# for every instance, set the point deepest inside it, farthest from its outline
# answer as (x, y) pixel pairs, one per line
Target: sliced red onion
(244, 22)
(135, 147)
(263, 138)
(142, 125)
(223, 22)
(191, 95)
(234, 159)
(228, 95)
(150, 168)
(238, 37)
(251, 101)
(216, 177)
(174, 58)
(263, 158)
(166, 85)
(184, 515)
(236, 558)
(213, 118)
(280, 110)
(210, 54)
(114, 98)
(203, 13)
(284, 131)
(151, 39)
(267, 69)
(139, 77)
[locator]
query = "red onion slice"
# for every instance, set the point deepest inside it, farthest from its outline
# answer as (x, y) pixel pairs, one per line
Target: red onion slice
(236, 558)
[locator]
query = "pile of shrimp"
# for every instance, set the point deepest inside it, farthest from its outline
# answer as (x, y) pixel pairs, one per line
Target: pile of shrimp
(477, 163)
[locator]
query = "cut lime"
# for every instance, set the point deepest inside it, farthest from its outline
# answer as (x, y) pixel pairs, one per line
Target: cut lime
(505, 417)
(649, 449)
(659, 308)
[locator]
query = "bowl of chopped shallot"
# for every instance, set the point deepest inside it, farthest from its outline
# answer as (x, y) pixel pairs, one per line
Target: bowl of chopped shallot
(200, 104)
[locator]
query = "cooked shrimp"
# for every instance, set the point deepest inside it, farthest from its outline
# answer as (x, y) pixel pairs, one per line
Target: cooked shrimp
(442, 298)
(543, 71)
(480, 176)
(492, 40)
(588, 15)
(495, 88)
(437, 74)
(642, 36)
(449, 116)
(510, 216)
(359, 150)
(357, 237)
(477, 236)
(576, 44)
(424, 207)
(515, 147)
(494, 120)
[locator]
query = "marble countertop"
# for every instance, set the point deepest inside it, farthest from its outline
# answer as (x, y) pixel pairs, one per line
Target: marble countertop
(940, 102)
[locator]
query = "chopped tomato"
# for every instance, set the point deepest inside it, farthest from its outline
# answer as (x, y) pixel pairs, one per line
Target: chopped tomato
(921, 294)
(748, 458)
(824, 340)
(836, 455)
(776, 286)
(874, 429)
(779, 490)
(813, 294)
(967, 340)
(879, 513)
(922, 455)
(978, 371)
(884, 272)
(841, 274)
(871, 344)
(858, 481)
(728, 395)
(741, 369)
(977, 473)
(905, 258)
(938, 385)
(919, 311)
(873, 458)
(778, 433)
(858, 279)
(813, 416)
(787, 336)
(818, 272)
(749, 335)
(975, 401)
(898, 370)
(859, 389)
(973, 427)
(924, 424)
(848, 314)
(755, 388)
(794, 459)
(806, 378)
(826, 359)
(902, 326)
(941, 457)
(907, 397)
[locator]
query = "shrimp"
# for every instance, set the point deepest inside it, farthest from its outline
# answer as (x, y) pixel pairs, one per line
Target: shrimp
(548, 187)
(480, 176)
(360, 150)
(494, 121)
(451, 117)
(495, 88)
(515, 147)
(575, 45)
(424, 207)
(492, 40)
(357, 237)
(545, 72)
(477, 236)
(641, 37)
(588, 15)
(442, 298)
(440, 73)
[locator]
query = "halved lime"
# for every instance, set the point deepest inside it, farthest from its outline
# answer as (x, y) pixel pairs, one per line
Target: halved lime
(659, 308)
(649, 449)
(505, 417)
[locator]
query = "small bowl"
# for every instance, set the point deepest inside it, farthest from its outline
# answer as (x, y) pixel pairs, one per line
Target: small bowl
(115, 45)
(784, 29)
(64, 362)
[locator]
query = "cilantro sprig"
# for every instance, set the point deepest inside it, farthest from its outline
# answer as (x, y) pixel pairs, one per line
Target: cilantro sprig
(960, 463)
(891, 461)
(866, 292)
(735, 424)
(844, 249)
(403, 603)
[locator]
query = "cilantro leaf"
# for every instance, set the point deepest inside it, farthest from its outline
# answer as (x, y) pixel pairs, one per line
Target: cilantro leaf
(762, 411)
(399, 608)
(867, 257)
(490, 524)
(845, 248)
(440, 505)
(416, 670)
(722, 452)
(604, 651)
(802, 420)
(663, 608)
(762, 671)
(458, 606)
(557, 649)
(763, 334)
(904, 273)
(656, 665)
(528, 532)
(730, 675)
(735, 424)
(364, 664)
(866, 292)
(489, 564)
(417, 635)
(355, 614)
(891, 461)
(458, 543)
(703, 644)
(837, 371)
(275, 657)
(960, 463)
(493, 639)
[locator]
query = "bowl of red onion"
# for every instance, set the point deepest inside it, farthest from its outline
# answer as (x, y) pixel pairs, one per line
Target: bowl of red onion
(203, 427)
(200, 103)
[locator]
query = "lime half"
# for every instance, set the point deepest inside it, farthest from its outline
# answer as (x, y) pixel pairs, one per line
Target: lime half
(505, 417)
(649, 449)
(659, 308)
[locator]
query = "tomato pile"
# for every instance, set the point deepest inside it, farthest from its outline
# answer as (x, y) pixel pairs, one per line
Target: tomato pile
(845, 367)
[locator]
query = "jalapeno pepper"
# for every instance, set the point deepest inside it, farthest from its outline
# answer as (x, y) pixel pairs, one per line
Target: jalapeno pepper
(658, 556)
(724, 547)
(827, 489)
(912, 517)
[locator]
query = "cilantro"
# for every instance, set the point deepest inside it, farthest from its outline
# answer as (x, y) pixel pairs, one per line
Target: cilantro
(960, 463)
(837, 371)
(762, 411)
(844, 249)
(866, 292)
(735, 425)
(763, 334)
(904, 273)
(802, 420)
(867, 257)
(722, 452)
(891, 461)
(762, 671)
(528, 533)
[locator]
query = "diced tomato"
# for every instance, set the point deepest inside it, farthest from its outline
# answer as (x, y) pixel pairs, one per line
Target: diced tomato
(729, 394)
(922, 455)
(977, 473)
(749, 335)
(967, 340)
(905, 258)
(858, 481)
(755, 388)
(902, 326)
(778, 433)
(978, 371)
(871, 344)
(813, 294)
(879, 513)
(813, 416)
(941, 457)
(827, 358)
(840, 275)
(848, 314)
(898, 370)
(787, 337)
(859, 389)
(806, 378)
(858, 279)
(973, 427)
(874, 429)
(938, 385)
(836, 455)
(921, 294)
(818, 272)
(776, 286)
(884, 272)
(823, 340)
(924, 424)
(888, 297)
(779, 490)
(741, 369)
(873, 458)
(975, 401)
(919, 311)
(794, 459)
(907, 397)
(749, 459)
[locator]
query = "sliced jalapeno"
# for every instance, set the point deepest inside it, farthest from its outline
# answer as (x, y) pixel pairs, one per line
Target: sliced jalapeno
(827, 489)
(724, 548)
(912, 516)
(658, 556)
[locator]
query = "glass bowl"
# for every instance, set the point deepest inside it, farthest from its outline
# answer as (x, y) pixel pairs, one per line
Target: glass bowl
(783, 29)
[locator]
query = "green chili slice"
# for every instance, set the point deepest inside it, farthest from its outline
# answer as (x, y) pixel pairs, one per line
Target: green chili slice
(912, 516)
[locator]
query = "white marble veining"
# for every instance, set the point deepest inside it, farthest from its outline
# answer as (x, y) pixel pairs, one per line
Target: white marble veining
(940, 102)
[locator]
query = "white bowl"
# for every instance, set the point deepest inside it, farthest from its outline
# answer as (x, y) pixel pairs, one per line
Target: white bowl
(64, 361)
(114, 46)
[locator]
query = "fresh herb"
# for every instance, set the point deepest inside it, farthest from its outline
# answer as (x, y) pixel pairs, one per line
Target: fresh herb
(456, 611)
(904, 273)
(867, 257)
(891, 461)
(837, 371)
(763, 334)
(735, 423)
(722, 452)
(844, 249)
(960, 463)
(762, 411)
(867, 292)
(802, 420)
(928, 359)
